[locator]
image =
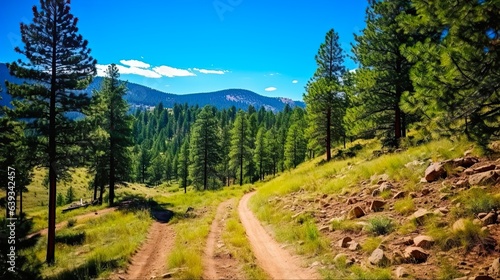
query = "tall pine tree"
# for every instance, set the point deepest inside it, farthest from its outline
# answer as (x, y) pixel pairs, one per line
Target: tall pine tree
(58, 61)
(240, 154)
(323, 97)
(204, 150)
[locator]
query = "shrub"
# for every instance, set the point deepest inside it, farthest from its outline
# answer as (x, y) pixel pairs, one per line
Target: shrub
(380, 225)
(60, 199)
(71, 222)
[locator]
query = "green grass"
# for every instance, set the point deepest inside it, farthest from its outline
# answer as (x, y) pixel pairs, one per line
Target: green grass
(93, 248)
(404, 206)
(380, 225)
(191, 232)
(475, 201)
(346, 225)
(371, 243)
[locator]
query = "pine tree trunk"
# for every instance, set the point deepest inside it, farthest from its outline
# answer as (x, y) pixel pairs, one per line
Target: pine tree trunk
(403, 125)
(397, 125)
(328, 134)
(21, 203)
(51, 245)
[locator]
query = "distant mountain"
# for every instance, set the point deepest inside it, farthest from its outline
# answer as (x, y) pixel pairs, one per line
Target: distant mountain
(142, 96)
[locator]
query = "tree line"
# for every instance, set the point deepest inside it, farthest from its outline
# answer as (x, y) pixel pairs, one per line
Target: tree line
(432, 66)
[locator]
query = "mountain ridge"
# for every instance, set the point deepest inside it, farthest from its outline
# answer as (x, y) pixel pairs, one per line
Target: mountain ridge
(140, 96)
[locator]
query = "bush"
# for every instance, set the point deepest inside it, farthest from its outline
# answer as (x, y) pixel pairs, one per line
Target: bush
(380, 225)
(60, 200)
(70, 195)
(475, 201)
(71, 222)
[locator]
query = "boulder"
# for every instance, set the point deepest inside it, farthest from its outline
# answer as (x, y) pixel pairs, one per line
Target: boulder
(420, 215)
(462, 183)
(343, 242)
(423, 241)
(378, 258)
(354, 246)
(416, 254)
(483, 277)
(495, 268)
(356, 212)
(483, 179)
(469, 171)
(401, 272)
(351, 200)
(434, 172)
(465, 162)
(386, 186)
(485, 168)
(400, 194)
(489, 219)
(376, 205)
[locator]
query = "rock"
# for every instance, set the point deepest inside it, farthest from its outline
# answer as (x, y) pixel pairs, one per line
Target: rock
(423, 241)
(375, 192)
(378, 258)
(343, 242)
(465, 162)
(434, 172)
(416, 254)
(420, 215)
(401, 272)
(348, 261)
(459, 169)
(469, 171)
(324, 229)
(485, 168)
(386, 186)
(483, 179)
(400, 194)
(425, 191)
(444, 210)
(413, 194)
(489, 219)
(477, 222)
(356, 212)
(495, 268)
(377, 205)
(462, 183)
(351, 200)
(354, 246)
(397, 258)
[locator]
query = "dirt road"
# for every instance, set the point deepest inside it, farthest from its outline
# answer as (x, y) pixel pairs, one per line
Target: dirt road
(217, 261)
(273, 259)
(150, 261)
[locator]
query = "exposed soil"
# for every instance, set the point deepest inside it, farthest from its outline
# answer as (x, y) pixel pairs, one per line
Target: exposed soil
(217, 260)
(437, 197)
(150, 261)
(271, 257)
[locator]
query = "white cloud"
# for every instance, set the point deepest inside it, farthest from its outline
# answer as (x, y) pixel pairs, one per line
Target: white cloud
(171, 72)
(353, 70)
(294, 81)
(206, 71)
(101, 71)
(270, 89)
(135, 63)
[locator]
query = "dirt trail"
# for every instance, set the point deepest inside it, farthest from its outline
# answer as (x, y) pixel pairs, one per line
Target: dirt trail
(217, 261)
(81, 217)
(150, 261)
(273, 259)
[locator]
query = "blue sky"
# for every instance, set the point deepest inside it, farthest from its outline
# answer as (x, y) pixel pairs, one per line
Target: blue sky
(187, 46)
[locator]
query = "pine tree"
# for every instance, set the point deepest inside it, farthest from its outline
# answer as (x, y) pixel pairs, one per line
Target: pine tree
(204, 149)
(384, 73)
(58, 61)
(261, 152)
(240, 154)
(323, 98)
(456, 67)
(225, 170)
(183, 165)
(295, 147)
(108, 115)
